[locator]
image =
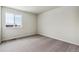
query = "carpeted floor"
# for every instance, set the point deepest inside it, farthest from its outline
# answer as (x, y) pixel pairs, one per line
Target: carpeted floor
(37, 44)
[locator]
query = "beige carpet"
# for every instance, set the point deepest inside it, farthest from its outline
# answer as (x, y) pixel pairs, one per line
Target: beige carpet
(37, 44)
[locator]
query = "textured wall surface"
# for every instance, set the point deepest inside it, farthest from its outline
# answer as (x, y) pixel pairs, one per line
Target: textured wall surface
(60, 23)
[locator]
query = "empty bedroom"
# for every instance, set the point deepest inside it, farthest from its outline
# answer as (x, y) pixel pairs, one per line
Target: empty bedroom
(39, 29)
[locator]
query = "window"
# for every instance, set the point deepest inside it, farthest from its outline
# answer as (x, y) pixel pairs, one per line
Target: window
(9, 20)
(13, 20)
(18, 20)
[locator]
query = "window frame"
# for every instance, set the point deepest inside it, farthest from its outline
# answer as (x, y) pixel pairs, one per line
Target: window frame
(14, 21)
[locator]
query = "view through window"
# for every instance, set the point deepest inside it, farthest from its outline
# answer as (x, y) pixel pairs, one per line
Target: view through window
(13, 20)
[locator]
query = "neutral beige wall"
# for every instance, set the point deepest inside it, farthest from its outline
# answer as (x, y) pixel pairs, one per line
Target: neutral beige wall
(28, 25)
(60, 23)
(77, 24)
(0, 23)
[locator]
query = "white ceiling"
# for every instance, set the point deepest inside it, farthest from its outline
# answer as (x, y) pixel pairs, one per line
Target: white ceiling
(33, 9)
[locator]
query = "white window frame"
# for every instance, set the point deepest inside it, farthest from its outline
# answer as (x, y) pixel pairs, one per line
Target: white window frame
(14, 24)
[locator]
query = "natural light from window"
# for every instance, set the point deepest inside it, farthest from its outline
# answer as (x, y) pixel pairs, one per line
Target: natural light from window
(13, 20)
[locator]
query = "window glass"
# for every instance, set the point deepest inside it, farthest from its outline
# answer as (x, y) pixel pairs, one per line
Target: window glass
(9, 19)
(13, 20)
(18, 20)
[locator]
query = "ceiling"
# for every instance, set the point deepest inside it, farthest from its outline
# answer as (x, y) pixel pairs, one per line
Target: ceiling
(33, 9)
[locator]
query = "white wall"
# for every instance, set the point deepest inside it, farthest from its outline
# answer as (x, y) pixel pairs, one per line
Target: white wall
(77, 24)
(0, 23)
(60, 23)
(28, 25)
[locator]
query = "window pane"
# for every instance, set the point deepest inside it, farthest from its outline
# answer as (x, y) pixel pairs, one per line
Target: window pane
(18, 20)
(9, 19)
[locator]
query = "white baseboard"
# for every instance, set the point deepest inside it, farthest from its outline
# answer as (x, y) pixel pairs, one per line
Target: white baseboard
(59, 39)
(20, 37)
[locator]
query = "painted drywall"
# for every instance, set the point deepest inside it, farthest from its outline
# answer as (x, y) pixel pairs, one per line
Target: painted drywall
(77, 24)
(60, 23)
(28, 25)
(0, 23)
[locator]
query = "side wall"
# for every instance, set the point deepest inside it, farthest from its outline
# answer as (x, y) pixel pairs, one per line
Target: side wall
(60, 23)
(0, 23)
(28, 25)
(77, 24)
